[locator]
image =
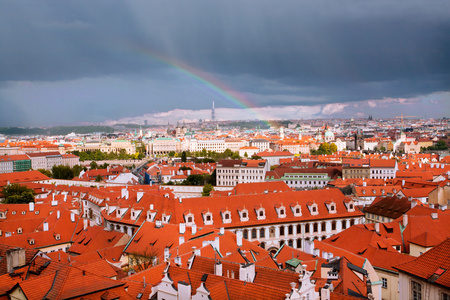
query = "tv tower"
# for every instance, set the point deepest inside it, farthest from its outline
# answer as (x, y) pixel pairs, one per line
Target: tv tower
(213, 114)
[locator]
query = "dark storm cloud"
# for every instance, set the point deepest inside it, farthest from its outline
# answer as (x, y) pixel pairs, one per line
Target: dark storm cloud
(320, 51)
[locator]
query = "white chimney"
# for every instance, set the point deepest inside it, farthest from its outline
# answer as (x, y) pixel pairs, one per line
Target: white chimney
(239, 238)
(182, 228)
(124, 193)
(151, 206)
(364, 183)
(218, 268)
(405, 220)
(54, 203)
(222, 231)
(65, 197)
(58, 214)
(31, 206)
(194, 229)
(45, 226)
(166, 254)
(72, 217)
(139, 196)
(377, 228)
(403, 182)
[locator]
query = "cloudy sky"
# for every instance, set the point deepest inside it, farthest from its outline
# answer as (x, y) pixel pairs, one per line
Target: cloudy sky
(79, 62)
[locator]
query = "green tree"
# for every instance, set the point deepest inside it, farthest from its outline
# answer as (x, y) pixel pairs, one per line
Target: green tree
(254, 156)
(333, 148)
(94, 165)
(324, 148)
(15, 193)
(245, 154)
(46, 172)
(183, 156)
(77, 170)
(207, 190)
(62, 172)
(99, 178)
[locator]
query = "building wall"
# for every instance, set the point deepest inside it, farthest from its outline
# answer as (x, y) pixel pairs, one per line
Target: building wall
(391, 290)
(429, 291)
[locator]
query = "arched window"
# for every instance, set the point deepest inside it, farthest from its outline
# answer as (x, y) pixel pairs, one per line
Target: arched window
(291, 243)
(245, 234)
(323, 226)
(299, 229)
(262, 233)
(281, 230)
(253, 233)
(315, 227)
(299, 243)
(290, 229)
(333, 225)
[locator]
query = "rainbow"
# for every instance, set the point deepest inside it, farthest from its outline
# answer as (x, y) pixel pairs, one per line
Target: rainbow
(207, 81)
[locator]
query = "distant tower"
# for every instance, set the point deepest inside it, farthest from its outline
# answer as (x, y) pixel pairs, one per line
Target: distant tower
(213, 114)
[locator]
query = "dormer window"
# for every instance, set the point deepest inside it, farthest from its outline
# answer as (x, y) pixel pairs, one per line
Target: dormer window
(151, 216)
(14, 212)
(243, 215)
(19, 230)
(208, 218)
(314, 209)
(281, 211)
(364, 192)
(260, 213)
(350, 206)
(166, 218)
(31, 241)
(2, 215)
(296, 210)
(57, 237)
(331, 207)
(226, 217)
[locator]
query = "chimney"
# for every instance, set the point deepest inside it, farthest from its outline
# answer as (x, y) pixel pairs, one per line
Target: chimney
(247, 272)
(166, 254)
(239, 238)
(403, 182)
(124, 193)
(31, 206)
(182, 228)
(194, 229)
(85, 224)
(58, 214)
(72, 217)
(45, 226)
(15, 258)
(405, 220)
(377, 228)
(139, 196)
(222, 231)
(158, 223)
(54, 203)
(177, 261)
(65, 197)
(434, 216)
(218, 268)
(181, 240)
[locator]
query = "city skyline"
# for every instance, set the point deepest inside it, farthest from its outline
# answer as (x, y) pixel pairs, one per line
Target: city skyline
(106, 63)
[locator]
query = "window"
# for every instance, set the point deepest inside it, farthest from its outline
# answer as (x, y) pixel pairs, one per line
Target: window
(189, 219)
(253, 233)
(384, 283)
(227, 216)
(290, 230)
(323, 225)
(281, 230)
(245, 234)
(315, 227)
(416, 290)
(299, 229)
(306, 228)
(262, 233)
(244, 215)
(445, 296)
(333, 225)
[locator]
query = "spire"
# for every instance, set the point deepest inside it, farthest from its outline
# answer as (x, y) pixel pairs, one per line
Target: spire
(213, 113)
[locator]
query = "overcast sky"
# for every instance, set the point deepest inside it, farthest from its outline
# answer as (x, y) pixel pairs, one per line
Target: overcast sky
(78, 62)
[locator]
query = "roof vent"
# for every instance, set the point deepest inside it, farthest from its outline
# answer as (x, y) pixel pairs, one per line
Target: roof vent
(434, 216)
